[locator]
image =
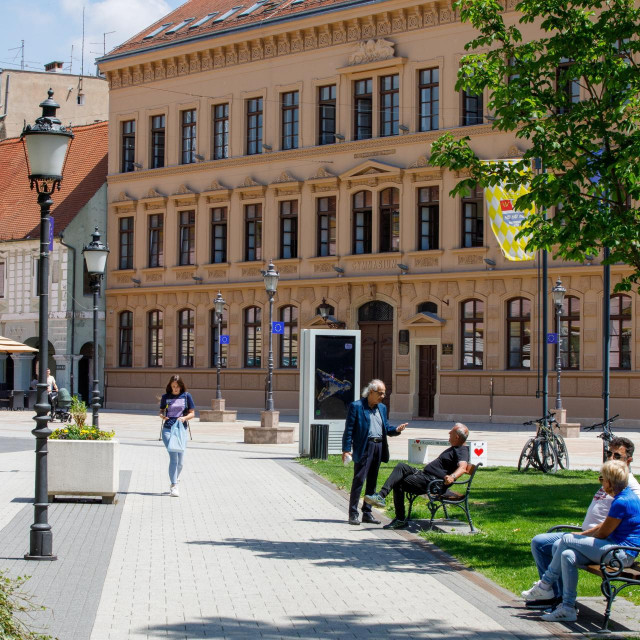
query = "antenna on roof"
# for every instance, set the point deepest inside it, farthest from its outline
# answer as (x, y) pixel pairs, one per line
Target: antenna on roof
(82, 56)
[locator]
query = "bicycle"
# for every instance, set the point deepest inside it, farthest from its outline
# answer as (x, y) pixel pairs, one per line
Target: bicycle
(547, 450)
(606, 435)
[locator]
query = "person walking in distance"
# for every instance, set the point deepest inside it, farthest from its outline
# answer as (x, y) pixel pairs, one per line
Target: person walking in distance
(175, 404)
(366, 430)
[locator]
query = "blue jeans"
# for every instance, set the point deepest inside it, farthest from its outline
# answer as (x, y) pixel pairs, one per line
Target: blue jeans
(175, 459)
(542, 549)
(574, 551)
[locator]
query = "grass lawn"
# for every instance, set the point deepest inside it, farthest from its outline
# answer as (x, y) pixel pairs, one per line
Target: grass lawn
(509, 508)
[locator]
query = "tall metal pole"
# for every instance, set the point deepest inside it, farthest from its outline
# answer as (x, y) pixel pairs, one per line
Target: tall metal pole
(606, 339)
(269, 405)
(95, 396)
(545, 331)
(218, 391)
(558, 357)
(41, 537)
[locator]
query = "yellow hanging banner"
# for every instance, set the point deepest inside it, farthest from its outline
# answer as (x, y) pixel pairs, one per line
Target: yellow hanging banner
(506, 220)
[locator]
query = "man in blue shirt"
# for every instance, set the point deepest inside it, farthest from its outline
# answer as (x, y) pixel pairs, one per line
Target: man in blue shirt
(366, 430)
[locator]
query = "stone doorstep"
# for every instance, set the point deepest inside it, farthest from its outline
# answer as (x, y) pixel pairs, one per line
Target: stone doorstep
(268, 435)
(217, 415)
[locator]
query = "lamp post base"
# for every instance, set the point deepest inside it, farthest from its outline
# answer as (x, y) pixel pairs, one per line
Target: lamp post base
(268, 435)
(218, 413)
(27, 556)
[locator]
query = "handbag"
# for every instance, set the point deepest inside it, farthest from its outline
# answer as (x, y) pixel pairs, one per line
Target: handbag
(178, 438)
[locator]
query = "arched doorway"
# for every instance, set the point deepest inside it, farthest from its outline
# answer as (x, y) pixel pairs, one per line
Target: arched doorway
(85, 367)
(375, 321)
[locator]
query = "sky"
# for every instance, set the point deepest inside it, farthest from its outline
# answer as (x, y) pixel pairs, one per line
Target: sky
(50, 28)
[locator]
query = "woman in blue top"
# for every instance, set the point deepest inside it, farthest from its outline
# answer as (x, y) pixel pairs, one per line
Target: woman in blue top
(620, 528)
(176, 404)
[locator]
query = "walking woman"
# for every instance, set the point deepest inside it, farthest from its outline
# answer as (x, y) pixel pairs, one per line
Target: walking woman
(176, 404)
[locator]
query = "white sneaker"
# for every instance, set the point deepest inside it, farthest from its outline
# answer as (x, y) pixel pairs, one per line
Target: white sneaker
(561, 614)
(539, 591)
(173, 491)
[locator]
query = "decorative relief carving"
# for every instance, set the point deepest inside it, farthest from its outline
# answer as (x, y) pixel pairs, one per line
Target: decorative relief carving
(206, 62)
(310, 39)
(446, 15)
(384, 25)
(372, 51)
(324, 38)
(321, 173)
(216, 273)
(124, 197)
(324, 187)
(296, 42)
(250, 271)
(288, 268)
(398, 23)
(285, 176)
(472, 259)
(184, 190)
(160, 70)
(194, 63)
(172, 69)
(323, 267)
(369, 28)
(148, 72)
(250, 182)
(422, 161)
(244, 55)
(123, 279)
(153, 277)
(153, 193)
(126, 77)
(183, 65)
(375, 264)
(218, 60)
(231, 55)
(270, 47)
(283, 44)
(427, 261)
(414, 19)
(257, 50)
(514, 152)
(183, 275)
(353, 31)
(216, 186)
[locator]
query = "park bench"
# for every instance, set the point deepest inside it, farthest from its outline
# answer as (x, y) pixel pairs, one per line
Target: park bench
(614, 577)
(436, 498)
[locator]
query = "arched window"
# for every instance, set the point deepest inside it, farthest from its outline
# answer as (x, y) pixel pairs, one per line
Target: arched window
(215, 341)
(390, 220)
(427, 307)
(620, 328)
(519, 333)
(186, 338)
(125, 340)
(155, 341)
(289, 339)
(375, 311)
(472, 334)
(570, 333)
(362, 222)
(252, 337)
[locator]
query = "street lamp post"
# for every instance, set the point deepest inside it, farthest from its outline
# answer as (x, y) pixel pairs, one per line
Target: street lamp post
(558, 292)
(95, 256)
(46, 143)
(271, 285)
(218, 304)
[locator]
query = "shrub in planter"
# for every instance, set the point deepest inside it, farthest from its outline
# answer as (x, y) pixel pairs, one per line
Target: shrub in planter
(78, 411)
(76, 432)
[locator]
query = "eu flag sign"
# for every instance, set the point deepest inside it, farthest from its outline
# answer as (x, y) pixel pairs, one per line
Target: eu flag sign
(277, 327)
(224, 339)
(552, 338)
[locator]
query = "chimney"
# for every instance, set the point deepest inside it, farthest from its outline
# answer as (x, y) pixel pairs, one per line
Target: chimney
(53, 67)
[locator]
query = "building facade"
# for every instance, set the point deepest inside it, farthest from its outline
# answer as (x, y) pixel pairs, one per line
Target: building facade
(300, 131)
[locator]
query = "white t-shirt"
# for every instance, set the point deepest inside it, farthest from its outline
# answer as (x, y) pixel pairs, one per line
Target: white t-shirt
(599, 508)
(51, 381)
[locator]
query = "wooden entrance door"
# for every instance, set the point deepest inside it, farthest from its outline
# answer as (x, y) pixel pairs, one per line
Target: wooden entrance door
(377, 354)
(427, 379)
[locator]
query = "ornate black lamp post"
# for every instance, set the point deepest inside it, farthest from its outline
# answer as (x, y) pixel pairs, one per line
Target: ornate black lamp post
(46, 143)
(95, 255)
(218, 304)
(271, 285)
(558, 292)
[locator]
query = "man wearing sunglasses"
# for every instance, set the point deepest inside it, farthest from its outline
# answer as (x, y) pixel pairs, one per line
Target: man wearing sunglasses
(542, 546)
(365, 431)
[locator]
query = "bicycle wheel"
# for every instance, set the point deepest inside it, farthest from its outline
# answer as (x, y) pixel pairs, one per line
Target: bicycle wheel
(563, 452)
(526, 457)
(545, 455)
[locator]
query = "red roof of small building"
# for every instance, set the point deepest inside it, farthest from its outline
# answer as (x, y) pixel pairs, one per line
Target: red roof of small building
(84, 173)
(198, 9)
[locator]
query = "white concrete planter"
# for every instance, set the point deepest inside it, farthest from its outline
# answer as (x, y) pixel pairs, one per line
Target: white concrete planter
(83, 468)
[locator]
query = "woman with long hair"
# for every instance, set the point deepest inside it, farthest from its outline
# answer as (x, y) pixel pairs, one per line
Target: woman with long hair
(176, 405)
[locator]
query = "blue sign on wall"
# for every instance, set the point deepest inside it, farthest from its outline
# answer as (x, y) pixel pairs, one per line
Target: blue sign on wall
(277, 327)
(552, 338)
(224, 339)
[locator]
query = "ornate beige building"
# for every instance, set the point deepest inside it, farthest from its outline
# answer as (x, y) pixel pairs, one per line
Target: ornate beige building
(300, 131)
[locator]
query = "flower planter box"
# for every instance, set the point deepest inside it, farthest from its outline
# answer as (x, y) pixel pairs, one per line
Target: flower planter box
(83, 468)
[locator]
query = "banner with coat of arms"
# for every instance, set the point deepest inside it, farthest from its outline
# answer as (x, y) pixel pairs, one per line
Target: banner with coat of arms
(506, 220)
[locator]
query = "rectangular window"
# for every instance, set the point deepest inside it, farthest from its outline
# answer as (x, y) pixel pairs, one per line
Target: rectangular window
(362, 109)
(472, 334)
(290, 120)
(362, 222)
(156, 248)
(327, 114)
(220, 131)
(326, 210)
(428, 99)
(188, 139)
(389, 220)
(428, 218)
(186, 338)
(289, 229)
(219, 234)
(473, 219)
(157, 141)
(187, 238)
(567, 88)
(253, 232)
(389, 105)
(125, 347)
(472, 111)
(289, 337)
(155, 342)
(2, 276)
(254, 126)
(252, 337)
(125, 258)
(128, 145)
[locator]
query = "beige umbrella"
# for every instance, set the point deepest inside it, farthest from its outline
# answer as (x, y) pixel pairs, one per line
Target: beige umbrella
(11, 346)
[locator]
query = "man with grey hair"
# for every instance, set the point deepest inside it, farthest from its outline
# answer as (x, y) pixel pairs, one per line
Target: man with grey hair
(448, 466)
(365, 431)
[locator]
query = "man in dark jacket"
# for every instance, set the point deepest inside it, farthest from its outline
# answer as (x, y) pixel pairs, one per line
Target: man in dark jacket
(366, 431)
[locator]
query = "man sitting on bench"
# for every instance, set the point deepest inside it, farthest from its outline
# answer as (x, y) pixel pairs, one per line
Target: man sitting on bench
(448, 466)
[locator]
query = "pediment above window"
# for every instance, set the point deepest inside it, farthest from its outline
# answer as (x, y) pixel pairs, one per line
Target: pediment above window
(425, 319)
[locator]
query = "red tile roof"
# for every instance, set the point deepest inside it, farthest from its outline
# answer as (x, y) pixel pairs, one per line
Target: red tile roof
(197, 9)
(84, 173)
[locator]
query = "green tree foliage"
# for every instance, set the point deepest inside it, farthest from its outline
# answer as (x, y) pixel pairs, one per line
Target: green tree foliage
(590, 146)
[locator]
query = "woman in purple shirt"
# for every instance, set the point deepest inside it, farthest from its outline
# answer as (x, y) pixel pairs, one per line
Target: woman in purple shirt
(176, 404)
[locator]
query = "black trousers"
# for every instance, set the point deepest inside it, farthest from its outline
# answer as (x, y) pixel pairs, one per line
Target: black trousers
(405, 478)
(365, 471)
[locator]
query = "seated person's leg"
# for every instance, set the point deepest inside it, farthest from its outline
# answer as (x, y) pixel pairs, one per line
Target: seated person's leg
(414, 483)
(400, 472)
(542, 550)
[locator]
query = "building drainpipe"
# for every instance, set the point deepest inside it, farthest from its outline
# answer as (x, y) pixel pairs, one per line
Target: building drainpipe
(73, 310)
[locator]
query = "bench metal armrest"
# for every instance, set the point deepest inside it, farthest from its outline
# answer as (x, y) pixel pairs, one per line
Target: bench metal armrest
(610, 565)
(564, 527)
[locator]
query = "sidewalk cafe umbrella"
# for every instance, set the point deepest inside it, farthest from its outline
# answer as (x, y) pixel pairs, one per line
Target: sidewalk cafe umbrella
(11, 346)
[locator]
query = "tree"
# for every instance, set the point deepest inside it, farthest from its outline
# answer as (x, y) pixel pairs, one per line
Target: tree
(573, 93)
